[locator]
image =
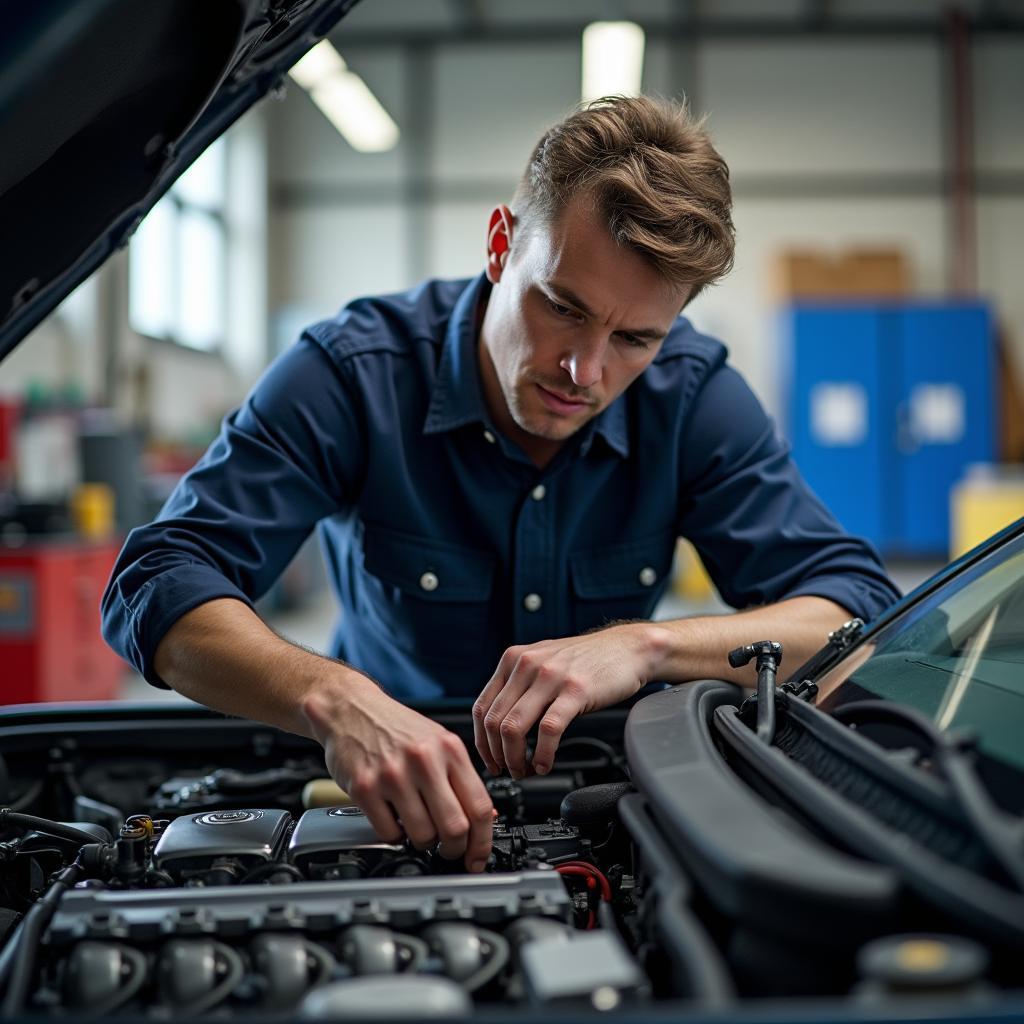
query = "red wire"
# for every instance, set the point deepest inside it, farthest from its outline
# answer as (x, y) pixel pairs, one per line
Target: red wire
(586, 869)
(593, 872)
(572, 869)
(579, 870)
(595, 878)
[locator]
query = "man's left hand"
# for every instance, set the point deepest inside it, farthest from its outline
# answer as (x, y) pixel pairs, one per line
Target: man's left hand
(554, 681)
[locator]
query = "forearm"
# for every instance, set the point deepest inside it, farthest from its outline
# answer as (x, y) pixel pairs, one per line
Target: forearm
(550, 682)
(223, 655)
(698, 648)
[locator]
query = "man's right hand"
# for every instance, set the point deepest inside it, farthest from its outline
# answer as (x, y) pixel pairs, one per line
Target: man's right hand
(409, 775)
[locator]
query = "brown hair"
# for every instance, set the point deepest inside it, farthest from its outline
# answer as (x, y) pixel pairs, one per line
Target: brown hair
(654, 176)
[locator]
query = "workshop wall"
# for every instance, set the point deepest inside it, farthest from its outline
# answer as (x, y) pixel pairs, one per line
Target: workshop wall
(64, 352)
(998, 83)
(824, 140)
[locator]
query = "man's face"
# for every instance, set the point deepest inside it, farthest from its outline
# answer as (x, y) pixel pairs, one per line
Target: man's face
(571, 322)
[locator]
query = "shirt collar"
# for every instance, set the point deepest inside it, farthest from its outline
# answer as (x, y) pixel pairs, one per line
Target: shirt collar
(458, 400)
(612, 426)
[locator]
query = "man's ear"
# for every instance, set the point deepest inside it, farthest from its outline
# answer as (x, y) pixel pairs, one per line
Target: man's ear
(499, 241)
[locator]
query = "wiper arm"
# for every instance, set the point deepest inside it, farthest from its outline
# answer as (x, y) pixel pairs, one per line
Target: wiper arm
(839, 641)
(1003, 839)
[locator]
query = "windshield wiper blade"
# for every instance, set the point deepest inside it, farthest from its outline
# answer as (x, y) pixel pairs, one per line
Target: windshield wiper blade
(1002, 837)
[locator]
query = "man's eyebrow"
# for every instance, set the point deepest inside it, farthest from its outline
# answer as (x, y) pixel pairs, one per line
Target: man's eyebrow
(566, 295)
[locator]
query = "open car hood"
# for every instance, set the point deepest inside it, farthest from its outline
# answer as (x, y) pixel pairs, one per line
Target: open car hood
(103, 104)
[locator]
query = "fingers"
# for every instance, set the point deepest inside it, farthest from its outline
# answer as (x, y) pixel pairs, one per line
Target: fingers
(514, 724)
(437, 779)
(482, 706)
(476, 803)
(504, 733)
(394, 808)
(433, 794)
(382, 819)
(416, 818)
(483, 746)
(519, 693)
(549, 733)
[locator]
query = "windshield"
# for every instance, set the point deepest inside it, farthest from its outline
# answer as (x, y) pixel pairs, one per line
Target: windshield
(957, 656)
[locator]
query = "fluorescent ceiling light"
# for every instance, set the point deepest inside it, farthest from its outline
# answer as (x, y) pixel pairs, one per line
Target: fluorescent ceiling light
(613, 59)
(345, 100)
(317, 65)
(348, 104)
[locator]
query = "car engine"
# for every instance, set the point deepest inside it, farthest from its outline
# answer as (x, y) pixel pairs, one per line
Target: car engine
(227, 889)
(166, 861)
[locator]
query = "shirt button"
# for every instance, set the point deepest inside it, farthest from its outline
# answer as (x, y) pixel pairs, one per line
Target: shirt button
(647, 576)
(532, 602)
(488, 437)
(429, 581)
(538, 492)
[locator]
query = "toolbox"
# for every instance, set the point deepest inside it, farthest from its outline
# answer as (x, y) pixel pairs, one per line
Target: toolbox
(50, 642)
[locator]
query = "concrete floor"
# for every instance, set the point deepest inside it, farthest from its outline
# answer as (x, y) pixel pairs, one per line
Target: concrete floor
(311, 625)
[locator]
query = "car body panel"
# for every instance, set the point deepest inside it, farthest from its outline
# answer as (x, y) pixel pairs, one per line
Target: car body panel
(103, 105)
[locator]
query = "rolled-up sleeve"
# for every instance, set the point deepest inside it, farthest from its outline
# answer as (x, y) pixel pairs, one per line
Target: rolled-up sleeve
(761, 532)
(288, 457)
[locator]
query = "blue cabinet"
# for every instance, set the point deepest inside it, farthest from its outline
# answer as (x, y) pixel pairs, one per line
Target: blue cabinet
(886, 405)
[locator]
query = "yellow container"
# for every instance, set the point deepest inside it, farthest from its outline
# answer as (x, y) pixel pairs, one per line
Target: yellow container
(690, 580)
(92, 508)
(982, 504)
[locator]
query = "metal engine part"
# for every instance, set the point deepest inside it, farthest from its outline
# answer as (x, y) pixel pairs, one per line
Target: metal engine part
(196, 842)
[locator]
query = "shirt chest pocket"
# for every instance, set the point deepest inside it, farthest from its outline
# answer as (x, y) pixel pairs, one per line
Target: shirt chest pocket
(620, 581)
(432, 598)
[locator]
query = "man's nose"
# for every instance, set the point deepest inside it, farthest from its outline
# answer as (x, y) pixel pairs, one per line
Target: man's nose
(584, 364)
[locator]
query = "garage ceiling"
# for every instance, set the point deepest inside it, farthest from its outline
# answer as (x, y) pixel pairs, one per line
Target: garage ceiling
(375, 22)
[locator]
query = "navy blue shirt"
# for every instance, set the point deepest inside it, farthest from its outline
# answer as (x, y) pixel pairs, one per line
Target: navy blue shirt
(444, 543)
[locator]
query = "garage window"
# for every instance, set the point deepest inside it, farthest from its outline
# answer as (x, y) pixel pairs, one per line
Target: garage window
(177, 259)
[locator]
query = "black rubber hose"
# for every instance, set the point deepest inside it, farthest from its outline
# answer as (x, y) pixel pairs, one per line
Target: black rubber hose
(233, 974)
(496, 960)
(228, 780)
(7, 956)
(263, 871)
(766, 704)
(51, 828)
(19, 956)
(29, 797)
(136, 979)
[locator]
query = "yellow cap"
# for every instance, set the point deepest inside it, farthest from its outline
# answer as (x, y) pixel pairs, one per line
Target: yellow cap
(922, 955)
(324, 793)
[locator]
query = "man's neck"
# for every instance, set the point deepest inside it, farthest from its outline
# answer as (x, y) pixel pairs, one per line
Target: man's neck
(539, 450)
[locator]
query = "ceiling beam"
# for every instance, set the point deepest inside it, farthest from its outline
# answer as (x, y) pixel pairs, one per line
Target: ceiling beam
(469, 14)
(699, 28)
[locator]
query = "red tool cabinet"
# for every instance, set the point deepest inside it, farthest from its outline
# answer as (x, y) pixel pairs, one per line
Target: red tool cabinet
(50, 643)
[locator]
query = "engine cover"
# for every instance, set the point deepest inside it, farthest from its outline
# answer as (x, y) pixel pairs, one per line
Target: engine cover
(194, 842)
(341, 837)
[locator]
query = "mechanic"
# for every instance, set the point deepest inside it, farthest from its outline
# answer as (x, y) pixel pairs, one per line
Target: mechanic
(498, 467)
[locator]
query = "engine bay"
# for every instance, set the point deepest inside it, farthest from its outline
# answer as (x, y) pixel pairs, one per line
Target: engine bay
(195, 887)
(168, 861)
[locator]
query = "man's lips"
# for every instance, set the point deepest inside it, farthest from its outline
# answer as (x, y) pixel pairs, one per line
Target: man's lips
(559, 403)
